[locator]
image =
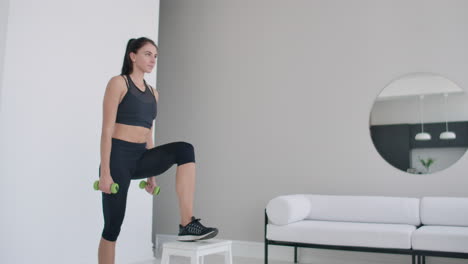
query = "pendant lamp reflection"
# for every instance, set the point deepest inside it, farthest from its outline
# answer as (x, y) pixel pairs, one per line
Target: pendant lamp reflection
(422, 136)
(447, 135)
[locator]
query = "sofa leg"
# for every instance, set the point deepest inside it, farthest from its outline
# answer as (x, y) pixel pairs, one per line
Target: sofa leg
(295, 254)
(423, 259)
(413, 259)
(266, 252)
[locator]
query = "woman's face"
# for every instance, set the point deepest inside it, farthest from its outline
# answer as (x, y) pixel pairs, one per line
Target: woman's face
(145, 58)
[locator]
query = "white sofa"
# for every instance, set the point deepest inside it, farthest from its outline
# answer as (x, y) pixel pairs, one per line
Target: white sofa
(444, 232)
(369, 224)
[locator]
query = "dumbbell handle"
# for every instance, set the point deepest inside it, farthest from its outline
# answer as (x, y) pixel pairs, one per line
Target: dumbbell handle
(156, 190)
(114, 187)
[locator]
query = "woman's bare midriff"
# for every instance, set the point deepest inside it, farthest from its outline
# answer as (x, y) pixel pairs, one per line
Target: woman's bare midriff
(135, 134)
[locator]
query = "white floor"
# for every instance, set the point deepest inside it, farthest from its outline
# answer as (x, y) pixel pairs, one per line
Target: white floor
(218, 259)
(239, 260)
(215, 259)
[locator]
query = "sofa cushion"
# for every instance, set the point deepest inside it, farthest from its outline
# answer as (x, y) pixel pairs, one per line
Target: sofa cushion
(441, 238)
(450, 211)
(286, 209)
(366, 209)
(344, 234)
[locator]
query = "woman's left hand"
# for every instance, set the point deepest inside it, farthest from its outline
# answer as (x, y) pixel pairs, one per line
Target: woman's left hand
(151, 184)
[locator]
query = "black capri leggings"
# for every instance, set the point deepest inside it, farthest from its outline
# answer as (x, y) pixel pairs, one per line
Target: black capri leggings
(132, 161)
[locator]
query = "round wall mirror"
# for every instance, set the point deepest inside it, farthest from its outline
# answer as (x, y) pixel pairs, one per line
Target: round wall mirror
(419, 123)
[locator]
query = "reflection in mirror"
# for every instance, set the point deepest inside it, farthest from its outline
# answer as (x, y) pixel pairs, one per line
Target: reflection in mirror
(419, 123)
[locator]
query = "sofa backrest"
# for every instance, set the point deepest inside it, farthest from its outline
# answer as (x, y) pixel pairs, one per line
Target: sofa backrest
(366, 209)
(447, 211)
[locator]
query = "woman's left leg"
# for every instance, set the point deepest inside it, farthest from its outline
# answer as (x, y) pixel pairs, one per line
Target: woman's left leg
(156, 161)
(185, 188)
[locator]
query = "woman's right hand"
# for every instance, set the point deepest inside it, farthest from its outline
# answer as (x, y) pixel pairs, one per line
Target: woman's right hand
(105, 183)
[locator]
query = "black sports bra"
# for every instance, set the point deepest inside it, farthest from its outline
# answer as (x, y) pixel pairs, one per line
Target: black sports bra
(137, 108)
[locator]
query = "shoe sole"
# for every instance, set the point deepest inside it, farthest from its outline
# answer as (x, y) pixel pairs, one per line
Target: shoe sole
(195, 238)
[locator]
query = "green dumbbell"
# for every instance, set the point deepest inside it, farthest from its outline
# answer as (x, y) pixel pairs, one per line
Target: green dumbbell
(156, 189)
(114, 187)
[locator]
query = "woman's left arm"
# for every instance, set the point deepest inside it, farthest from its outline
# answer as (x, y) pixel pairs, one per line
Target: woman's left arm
(149, 139)
(149, 145)
(151, 181)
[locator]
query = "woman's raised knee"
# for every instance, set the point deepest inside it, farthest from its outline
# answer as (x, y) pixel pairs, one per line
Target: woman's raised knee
(185, 153)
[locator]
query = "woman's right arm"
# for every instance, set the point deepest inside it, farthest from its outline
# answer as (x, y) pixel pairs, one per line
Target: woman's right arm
(114, 91)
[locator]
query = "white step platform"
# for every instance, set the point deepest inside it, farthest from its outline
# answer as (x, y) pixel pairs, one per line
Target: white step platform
(197, 250)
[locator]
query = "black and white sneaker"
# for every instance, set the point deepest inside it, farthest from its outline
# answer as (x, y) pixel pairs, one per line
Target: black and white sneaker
(196, 231)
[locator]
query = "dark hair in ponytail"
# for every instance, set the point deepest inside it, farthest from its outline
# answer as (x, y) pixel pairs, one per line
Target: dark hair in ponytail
(134, 45)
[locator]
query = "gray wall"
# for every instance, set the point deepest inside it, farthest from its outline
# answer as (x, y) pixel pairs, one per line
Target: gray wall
(276, 96)
(3, 32)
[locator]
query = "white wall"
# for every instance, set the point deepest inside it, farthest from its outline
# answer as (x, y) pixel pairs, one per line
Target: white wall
(3, 30)
(59, 57)
(276, 97)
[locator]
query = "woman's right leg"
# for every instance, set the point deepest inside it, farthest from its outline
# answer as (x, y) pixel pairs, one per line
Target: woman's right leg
(114, 206)
(122, 163)
(106, 253)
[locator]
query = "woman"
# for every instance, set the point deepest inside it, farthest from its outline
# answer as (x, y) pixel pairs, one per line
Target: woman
(127, 151)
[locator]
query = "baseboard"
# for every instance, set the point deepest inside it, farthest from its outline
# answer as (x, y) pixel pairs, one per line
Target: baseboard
(307, 255)
(245, 249)
(256, 250)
